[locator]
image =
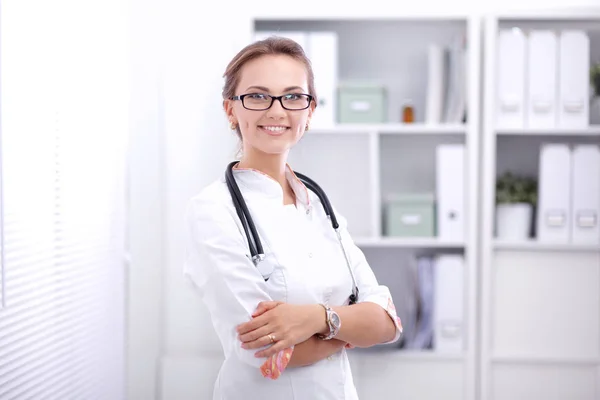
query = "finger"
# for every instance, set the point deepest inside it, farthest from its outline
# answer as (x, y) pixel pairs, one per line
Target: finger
(262, 341)
(276, 348)
(265, 306)
(255, 334)
(251, 325)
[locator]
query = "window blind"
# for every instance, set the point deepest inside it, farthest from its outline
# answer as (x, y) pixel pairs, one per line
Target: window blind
(63, 124)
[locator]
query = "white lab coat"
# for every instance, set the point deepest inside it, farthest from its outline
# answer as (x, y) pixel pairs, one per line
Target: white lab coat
(306, 265)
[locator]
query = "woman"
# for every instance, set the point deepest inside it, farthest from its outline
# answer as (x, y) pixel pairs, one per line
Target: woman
(285, 324)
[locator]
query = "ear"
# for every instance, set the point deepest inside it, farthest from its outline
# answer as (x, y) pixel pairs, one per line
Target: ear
(229, 110)
(311, 109)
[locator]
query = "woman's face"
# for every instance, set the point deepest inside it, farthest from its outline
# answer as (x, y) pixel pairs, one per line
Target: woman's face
(275, 130)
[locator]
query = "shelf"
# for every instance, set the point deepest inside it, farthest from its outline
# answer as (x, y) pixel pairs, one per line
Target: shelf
(408, 242)
(590, 131)
(393, 129)
(507, 359)
(405, 355)
(533, 245)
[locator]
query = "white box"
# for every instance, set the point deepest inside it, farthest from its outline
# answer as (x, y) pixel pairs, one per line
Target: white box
(542, 78)
(574, 77)
(585, 227)
(448, 328)
(554, 194)
(510, 89)
(323, 54)
(450, 191)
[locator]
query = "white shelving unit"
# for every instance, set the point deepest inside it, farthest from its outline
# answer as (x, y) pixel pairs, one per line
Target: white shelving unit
(540, 314)
(358, 165)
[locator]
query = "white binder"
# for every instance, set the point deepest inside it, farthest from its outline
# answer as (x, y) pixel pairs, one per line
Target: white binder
(448, 328)
(574, 77)
(510, 89)
(323, 54)
(554, 194)
(585, 227)
(542, 78)
(450, 191)
(434, 102)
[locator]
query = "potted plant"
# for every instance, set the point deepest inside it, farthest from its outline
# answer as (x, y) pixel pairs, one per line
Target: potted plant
(595, 86)
(516, 198)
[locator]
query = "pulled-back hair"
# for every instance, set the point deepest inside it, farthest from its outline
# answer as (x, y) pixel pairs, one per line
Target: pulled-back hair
(273, 45)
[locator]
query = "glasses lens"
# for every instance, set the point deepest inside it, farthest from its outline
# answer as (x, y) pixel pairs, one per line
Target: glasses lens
(295, 101)
(257, 101)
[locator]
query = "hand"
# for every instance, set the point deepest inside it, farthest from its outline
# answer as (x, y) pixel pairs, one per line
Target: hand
(289, 324)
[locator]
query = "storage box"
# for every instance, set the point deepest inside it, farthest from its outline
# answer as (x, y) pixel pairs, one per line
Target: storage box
(361, 103)
(410, 215)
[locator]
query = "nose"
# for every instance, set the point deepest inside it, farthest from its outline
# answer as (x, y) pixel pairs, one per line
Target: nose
(276, 110)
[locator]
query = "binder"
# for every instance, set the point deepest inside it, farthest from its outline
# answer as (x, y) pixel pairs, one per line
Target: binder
(450, 191)
(510, 89)
(574, 67)
(542, 79)
(448, 330)
(554, 198)
(585, 227)
(323, 54)
(435, 84)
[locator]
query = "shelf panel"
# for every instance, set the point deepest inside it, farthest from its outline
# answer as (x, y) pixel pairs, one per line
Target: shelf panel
(590, 131)
(425, 242)
(533, 245)
(520, 359)
(406, 355)
(393, 129)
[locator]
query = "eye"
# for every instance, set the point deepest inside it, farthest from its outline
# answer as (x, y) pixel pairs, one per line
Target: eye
(293, 97)
(257, 96)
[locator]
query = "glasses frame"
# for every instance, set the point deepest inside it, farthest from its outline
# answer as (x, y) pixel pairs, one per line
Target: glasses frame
(273, 98)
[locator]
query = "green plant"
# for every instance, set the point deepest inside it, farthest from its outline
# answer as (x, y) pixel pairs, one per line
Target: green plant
(595, 78)
(512, 188)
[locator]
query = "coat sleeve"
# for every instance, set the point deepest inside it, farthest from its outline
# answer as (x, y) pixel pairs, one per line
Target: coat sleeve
(217, 262)
(370, 290)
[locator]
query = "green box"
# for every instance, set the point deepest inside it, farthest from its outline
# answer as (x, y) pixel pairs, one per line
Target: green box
(361, 103)
(410, 215)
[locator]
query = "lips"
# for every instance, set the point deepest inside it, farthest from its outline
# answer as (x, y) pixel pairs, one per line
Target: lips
(274, 130)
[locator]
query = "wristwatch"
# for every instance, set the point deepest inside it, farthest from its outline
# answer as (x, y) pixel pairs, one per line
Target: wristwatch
(333, 321)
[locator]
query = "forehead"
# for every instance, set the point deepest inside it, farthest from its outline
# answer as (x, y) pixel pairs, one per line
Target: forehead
(275, 72)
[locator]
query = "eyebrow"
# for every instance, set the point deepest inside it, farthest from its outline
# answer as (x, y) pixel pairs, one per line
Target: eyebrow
(287, 89)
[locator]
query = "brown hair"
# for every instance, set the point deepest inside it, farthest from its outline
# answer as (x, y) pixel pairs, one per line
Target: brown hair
(273, 45)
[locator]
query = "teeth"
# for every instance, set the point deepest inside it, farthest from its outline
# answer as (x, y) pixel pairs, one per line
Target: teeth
(275, 128)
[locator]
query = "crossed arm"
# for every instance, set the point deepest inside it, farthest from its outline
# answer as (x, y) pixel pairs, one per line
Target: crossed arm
(296, 327)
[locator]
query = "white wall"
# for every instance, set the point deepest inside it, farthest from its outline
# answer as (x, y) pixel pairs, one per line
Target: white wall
(181, 131)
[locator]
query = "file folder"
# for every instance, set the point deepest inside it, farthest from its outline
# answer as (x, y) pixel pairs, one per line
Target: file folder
(450, 191)
(554, 194)
(323, 54)
(542, 79)
(510, 89)
(448, 331)
(574, 70)
(585, 227)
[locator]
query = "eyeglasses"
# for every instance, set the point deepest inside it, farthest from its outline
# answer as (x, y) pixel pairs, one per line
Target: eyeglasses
(260, 101)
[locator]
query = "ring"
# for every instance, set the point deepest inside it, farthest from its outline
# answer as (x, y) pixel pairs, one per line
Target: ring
(272, 338)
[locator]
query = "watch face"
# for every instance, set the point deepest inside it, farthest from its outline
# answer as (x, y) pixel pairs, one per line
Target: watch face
(335, 320)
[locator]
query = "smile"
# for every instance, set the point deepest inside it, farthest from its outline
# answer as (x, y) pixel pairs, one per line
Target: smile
(274, 130)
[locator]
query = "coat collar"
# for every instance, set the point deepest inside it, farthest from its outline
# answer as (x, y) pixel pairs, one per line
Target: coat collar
(254, 180)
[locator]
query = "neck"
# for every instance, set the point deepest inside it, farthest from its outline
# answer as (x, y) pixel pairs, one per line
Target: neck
(273, 165)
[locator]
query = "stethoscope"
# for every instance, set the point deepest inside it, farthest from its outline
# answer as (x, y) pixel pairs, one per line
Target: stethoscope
(256, 249)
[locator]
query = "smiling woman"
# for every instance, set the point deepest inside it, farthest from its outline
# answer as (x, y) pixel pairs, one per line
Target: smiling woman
(290, 307)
